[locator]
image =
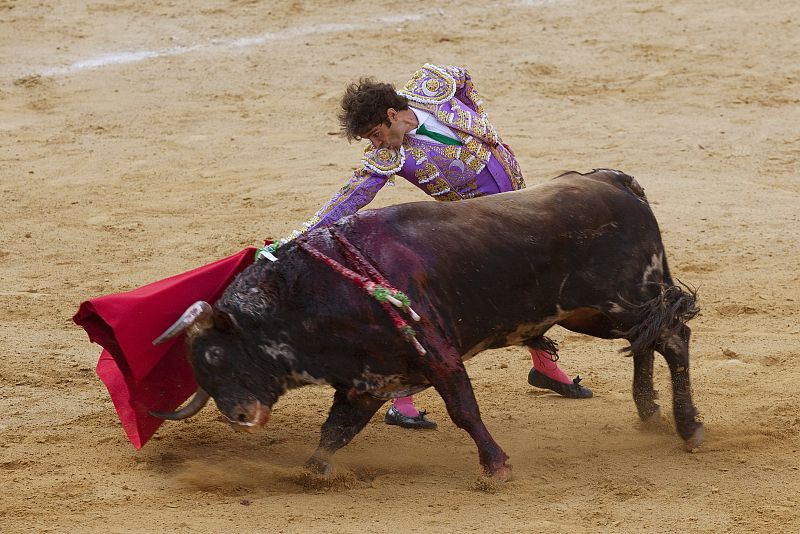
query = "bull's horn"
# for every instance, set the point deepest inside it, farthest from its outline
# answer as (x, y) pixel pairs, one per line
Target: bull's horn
(199, 311)
(195, 405)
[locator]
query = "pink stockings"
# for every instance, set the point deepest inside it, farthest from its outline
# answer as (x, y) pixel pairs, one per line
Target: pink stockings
(405, 405)
(543, 363)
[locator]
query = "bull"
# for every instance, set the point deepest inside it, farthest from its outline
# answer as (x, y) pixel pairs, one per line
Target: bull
(582, 251)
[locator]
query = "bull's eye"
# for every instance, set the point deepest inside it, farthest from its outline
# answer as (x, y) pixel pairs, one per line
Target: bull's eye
(214, 356)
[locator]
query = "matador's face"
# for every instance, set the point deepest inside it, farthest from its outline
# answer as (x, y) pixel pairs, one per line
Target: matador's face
(391, 136)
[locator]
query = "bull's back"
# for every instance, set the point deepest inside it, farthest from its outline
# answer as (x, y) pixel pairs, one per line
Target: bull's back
(582, 206)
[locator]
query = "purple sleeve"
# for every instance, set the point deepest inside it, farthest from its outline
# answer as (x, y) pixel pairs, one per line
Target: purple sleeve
(355, 194)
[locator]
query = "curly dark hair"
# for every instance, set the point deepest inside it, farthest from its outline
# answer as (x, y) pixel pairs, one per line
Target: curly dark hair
(364, 106)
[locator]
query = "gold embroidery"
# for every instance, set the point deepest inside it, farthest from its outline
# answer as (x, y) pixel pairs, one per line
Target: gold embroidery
(441, 190)
(432, 85)
(419, 155)
(429, 85)
(452, 151)
(384, 161)
(471, 190)
(427, 173)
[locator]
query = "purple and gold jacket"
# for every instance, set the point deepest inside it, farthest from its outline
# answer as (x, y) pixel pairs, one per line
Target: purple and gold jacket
(481, 166)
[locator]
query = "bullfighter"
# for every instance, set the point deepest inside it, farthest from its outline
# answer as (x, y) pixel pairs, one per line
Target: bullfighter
(435, 133)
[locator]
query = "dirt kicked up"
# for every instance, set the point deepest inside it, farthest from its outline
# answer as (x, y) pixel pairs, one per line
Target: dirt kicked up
(142, 139)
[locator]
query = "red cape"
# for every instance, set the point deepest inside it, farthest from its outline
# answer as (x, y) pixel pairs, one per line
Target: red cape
(139, 376)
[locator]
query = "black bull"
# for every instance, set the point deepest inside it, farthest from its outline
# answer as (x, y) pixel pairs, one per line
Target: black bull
(580, 251)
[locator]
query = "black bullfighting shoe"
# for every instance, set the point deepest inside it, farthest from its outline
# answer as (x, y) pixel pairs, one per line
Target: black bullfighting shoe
(393, 417)
(572, 391)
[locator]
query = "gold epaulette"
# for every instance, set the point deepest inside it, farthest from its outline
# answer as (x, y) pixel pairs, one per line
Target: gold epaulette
(384, 161)
(430, 85)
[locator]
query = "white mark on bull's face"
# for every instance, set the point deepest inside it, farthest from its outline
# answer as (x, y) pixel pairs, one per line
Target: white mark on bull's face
(654, 271)
(280, 352)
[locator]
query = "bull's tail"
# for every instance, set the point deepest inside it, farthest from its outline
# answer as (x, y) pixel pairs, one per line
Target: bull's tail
(661, 317)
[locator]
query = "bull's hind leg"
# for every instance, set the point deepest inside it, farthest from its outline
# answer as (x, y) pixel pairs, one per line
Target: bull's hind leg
(675, 349)
(660, 322)
(644, 394)
(348, 416)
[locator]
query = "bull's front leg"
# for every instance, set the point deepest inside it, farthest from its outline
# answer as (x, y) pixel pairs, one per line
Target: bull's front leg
(445, 371)
(675, 349)
(644, 394)
(347, 417)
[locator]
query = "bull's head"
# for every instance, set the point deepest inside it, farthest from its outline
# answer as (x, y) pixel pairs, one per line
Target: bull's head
(229, 366)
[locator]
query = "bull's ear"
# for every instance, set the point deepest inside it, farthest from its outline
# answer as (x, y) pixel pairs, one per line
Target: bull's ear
(224, 322)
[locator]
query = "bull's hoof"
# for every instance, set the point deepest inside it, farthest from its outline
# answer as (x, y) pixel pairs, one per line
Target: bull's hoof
(318, 466)
(501, 474)
(694, 441)
(654, 418)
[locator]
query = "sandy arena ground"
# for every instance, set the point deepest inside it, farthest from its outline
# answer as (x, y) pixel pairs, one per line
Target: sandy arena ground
(139, 139)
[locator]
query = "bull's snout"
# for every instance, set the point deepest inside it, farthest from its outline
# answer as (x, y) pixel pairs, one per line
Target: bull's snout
(248, 417)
